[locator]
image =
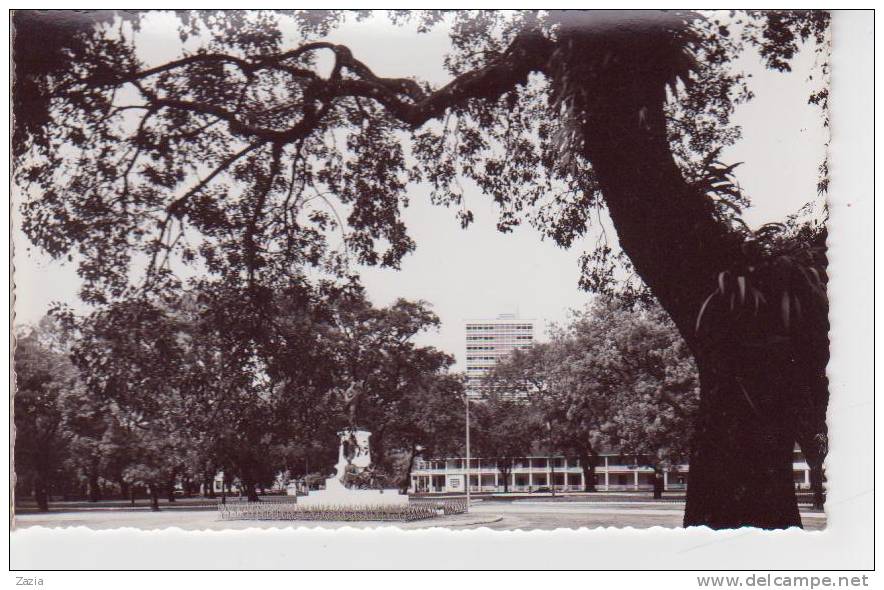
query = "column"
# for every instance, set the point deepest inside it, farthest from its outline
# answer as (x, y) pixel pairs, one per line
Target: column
(607, 481)
(635, 473)
(479, 474)
(807, 478)
(665, 479)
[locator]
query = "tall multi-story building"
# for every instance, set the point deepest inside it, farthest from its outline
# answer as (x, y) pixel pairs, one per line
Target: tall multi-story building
(489, 341)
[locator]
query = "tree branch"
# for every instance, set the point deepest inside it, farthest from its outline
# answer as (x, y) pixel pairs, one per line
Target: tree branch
(402, 97)
(529, 52)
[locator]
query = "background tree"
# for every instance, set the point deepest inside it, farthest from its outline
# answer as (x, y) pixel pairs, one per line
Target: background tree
(548, 377)
(43, 378)
(374, 347)
(200, 384)
(93, 450)
(429, 422)
(553, 114)
(394, 388)
(657, 392)
(134, 359)
(614, 376)
(504, 429)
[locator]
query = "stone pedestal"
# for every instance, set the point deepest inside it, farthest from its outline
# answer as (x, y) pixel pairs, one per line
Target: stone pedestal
(353, 451)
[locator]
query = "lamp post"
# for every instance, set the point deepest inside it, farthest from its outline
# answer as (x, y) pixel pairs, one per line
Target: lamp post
(466, 403)
(552, 461)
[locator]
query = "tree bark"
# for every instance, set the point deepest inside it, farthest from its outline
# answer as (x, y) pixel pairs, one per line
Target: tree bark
(817, 486)
(124, 487)
(377, 448)
(658, 483)
(248, 485)
(208, 486)
(741, 461)
(94, 489)
(154, 497)
(740, 470)
(588, 463)
(405, 483)
(505, 473)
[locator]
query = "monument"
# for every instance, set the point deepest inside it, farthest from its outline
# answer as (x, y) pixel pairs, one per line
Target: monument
(349, 495)
(354, 458)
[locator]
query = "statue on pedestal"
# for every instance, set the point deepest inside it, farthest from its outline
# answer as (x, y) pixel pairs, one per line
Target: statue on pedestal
(355, 481)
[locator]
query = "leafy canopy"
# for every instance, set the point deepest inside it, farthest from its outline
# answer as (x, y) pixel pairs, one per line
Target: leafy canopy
(264, 146)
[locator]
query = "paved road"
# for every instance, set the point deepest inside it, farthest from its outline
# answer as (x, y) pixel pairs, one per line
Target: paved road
(545, 515)
(519, 515)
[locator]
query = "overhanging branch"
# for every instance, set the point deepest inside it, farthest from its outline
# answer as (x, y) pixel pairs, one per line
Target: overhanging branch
(403, 98)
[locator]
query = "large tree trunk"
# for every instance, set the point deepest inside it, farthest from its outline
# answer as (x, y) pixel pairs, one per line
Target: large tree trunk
(658, 483)
(588, 462)
(377, 448)
(170, 489)
(817, 485)
(405, 483)
(94, 488)
(248, 485)
(741, 462)
(208, 486)
(154, 497)
(124, 487)
(505, 473)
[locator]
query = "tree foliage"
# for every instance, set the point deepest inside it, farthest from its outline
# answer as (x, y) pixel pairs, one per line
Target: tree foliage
(243, 154)
(198, 384)
(44, 378)
(504, 429)
(612, 378)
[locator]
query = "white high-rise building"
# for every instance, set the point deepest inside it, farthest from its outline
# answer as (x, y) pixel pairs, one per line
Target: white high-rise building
(488, 341)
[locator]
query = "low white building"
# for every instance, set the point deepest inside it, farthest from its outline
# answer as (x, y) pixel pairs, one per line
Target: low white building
(613, 472)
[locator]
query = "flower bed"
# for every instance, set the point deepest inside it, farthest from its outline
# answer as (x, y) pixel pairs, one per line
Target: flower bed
(292, 511)
(444, 506)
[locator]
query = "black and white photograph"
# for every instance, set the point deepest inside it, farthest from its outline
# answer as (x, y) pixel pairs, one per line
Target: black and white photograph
(498, 270)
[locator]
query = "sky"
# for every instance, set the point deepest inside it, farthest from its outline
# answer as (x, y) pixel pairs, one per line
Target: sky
(479, 272)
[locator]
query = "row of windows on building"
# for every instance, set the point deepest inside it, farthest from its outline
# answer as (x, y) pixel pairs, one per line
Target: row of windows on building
(500, 327)
(524, 462)
(501, 337)
(614, 459)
